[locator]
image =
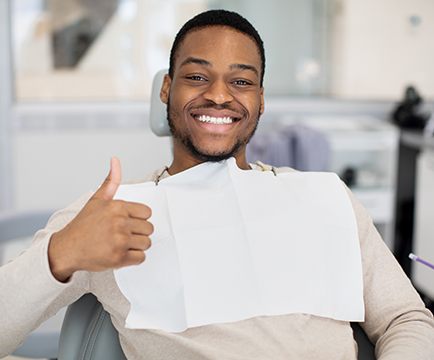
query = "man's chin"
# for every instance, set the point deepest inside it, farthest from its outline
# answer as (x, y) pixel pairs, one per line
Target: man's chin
(208, 153)
(212, 156)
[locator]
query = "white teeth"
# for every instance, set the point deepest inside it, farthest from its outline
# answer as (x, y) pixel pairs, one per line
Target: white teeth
(215, 120)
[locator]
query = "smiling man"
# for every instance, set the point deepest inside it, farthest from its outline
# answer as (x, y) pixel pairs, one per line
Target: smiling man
(215, 97)
(213, 102)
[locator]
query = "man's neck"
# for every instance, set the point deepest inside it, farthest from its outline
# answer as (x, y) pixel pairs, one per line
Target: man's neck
(181, 163)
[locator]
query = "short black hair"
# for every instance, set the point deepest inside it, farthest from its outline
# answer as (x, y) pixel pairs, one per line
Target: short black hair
(218, 18)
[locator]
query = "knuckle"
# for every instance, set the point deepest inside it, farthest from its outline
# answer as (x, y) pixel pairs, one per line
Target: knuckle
(120, 203)
(117, 245)
(119, 223)
(120, 241)
(118, 257)
(112, 205)
(116, 206)
(133, 258)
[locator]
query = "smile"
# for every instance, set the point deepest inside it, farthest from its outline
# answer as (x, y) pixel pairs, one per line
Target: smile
(215, 120)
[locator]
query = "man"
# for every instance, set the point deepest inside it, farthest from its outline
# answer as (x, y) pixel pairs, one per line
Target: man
(214, 98)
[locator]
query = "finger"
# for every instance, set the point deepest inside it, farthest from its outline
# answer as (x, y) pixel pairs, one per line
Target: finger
(139, 242)
(140, 227)
(134, 257)
(111, 183)
(137, 210)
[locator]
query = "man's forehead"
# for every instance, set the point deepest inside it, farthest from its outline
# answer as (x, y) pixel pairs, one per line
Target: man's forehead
(206, 42)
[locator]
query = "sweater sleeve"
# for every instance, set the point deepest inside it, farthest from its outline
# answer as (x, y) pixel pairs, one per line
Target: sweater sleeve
(396, 320)
(29, 293)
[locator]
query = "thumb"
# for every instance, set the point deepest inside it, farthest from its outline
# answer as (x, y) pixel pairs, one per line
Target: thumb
(111, 183)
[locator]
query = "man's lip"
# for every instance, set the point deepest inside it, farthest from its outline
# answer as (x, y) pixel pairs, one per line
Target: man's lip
(212, 128)
(216, 113)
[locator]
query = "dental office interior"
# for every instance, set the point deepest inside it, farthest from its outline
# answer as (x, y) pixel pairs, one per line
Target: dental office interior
(349, 88)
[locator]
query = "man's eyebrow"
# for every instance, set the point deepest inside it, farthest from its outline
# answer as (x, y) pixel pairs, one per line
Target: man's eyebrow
(245, 67)
(194, 60)
(203, 62)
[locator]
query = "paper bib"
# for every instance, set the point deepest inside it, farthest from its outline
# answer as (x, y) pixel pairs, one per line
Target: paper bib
(231, 244)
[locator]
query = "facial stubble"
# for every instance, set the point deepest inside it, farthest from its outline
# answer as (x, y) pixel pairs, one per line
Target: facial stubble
(186, 140)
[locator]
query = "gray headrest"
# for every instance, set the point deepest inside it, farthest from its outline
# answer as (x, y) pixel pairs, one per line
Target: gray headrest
(157, 116)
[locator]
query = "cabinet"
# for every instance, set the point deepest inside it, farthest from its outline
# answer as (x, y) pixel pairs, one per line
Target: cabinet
(366, 148)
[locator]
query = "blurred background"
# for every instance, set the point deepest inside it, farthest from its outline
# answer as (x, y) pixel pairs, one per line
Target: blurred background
(349, 88)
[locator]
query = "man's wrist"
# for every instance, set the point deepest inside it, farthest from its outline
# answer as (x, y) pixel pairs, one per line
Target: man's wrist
(59, 258)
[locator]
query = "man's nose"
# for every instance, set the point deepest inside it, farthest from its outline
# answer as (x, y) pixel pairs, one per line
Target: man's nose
(218, 92)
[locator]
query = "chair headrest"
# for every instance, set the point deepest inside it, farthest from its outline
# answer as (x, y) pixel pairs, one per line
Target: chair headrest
(157, 115)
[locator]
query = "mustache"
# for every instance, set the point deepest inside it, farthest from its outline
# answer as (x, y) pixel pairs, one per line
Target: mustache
(225, 106)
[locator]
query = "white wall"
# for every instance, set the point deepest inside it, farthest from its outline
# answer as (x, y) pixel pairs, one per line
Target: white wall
(292, 32)
(51, 169)
(377, 51)
(5, 104)
(44, 160)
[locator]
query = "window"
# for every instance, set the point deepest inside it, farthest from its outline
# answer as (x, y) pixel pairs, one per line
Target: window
(108, 50)
(93, 50)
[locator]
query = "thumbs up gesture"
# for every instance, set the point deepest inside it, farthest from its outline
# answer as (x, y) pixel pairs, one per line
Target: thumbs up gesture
(105, 234)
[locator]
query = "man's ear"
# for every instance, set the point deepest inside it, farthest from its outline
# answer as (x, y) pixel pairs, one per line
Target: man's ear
(262, 106)
(165, 89)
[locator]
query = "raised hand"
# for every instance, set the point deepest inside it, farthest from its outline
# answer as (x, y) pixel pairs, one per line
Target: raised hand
(105, 234)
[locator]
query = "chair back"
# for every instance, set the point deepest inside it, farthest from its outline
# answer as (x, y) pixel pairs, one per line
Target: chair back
(88, 333)
(157, 114)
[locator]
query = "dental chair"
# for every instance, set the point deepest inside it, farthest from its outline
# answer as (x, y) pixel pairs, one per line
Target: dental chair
(88, 334)
(14, 227)
(87, 331)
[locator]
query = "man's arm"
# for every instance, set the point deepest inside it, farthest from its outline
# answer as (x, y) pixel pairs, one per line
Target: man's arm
(29, 293)
(94, 235)
(396, 319)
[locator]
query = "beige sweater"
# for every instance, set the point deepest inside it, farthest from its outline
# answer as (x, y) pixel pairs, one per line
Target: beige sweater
(396, 319)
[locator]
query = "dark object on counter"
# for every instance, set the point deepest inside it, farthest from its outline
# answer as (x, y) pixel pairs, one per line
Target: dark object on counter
(349, 176)
(404, 236)
(408, 114)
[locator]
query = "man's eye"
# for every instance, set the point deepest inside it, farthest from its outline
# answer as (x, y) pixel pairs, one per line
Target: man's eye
(196, 78)
(241, 82)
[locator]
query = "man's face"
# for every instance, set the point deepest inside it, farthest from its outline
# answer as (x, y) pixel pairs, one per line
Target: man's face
(214, 99)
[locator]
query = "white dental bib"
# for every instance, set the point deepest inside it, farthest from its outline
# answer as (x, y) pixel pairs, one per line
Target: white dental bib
(231, 244)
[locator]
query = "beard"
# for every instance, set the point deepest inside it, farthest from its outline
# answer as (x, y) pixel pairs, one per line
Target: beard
(186, 139)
